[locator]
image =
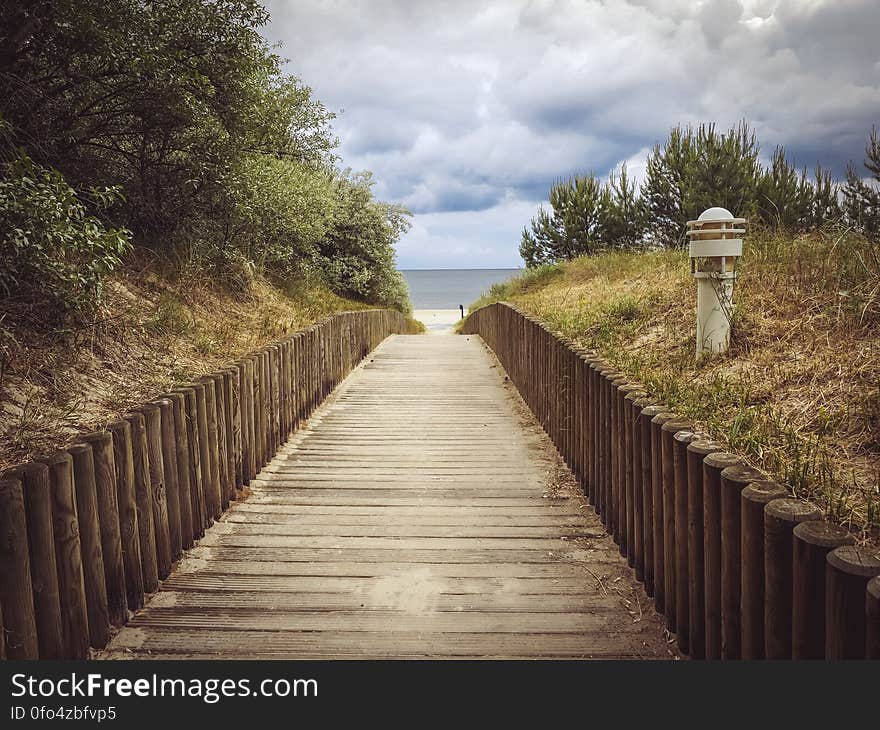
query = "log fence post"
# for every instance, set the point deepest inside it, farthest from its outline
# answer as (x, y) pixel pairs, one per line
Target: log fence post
(90, 544)
(734, 479)
(713, 465)
(158, 488)
(101, 443)
(680, 442)
(37, 497)
(68, 556)
(168, 445)
(754, 497)
(16, 596)
(780, 518)
(848, 570)
(126, 503)
(813, 540)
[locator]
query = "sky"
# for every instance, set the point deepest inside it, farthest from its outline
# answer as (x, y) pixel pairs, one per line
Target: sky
(466, 112)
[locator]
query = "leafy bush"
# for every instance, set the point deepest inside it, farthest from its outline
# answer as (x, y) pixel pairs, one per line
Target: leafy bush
(357, 254)
(54, 254)
(275, 212)
(226, 162)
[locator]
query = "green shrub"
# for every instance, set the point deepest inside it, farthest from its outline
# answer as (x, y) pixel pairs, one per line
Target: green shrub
(226, 161)
(357, 254)
(54, 254)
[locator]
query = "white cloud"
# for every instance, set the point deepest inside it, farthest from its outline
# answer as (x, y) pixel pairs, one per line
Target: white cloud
(467, 111)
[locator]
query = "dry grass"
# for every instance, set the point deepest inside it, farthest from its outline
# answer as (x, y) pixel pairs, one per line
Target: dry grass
(798, 394)
(149, 334)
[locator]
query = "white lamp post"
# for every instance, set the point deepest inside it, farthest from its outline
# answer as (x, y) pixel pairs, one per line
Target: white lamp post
(714, 249)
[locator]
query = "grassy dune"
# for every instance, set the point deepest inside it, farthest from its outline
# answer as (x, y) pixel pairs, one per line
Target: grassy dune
(798, 394)
(149, 333)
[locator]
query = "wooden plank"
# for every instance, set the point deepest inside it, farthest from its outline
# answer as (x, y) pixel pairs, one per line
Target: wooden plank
(461, 555)
(632, 643)
(409, 617)
(269, 527)
(194, 598)
(209, 569)
(323, 515)
(402, 544)
(417, 583)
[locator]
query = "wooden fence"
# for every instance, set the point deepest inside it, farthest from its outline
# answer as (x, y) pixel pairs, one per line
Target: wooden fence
(87, 532)
(737, 567)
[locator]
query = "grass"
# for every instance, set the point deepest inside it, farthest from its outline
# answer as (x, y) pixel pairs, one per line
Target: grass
(152, 331)
(798, 394)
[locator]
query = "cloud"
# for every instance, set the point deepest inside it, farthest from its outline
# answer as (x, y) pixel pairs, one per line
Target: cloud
(482, 238)
(467, 111)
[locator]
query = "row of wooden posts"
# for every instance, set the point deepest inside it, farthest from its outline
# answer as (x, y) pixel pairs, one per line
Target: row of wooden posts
(87, 532)
(736, 565)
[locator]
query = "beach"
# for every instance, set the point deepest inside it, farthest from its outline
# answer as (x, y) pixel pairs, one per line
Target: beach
(438, 321)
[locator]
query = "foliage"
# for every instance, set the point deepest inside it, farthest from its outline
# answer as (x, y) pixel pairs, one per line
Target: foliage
(697, 169)
(784, 196)
(862, 199)
(356, 253)
(626, 217)
(275, 212)
(574, 228)
(693, 169)
(53, 252)
(226, 162)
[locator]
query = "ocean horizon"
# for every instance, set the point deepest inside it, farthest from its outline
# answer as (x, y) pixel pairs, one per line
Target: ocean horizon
(449, 288)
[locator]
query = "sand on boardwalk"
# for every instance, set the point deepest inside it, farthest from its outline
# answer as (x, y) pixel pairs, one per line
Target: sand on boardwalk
(438, 321)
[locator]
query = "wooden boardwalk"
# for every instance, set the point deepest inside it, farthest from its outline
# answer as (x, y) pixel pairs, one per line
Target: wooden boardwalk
(421, 513)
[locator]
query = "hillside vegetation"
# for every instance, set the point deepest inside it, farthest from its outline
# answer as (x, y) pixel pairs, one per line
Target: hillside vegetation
(148, 335)
(170, 197)
(173, 128)
(799, 392)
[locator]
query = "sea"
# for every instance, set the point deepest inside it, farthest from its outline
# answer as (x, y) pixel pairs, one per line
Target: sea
(449, 288)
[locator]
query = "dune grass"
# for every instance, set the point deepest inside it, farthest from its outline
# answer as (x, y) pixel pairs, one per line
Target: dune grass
(798, 394)
(151, 332)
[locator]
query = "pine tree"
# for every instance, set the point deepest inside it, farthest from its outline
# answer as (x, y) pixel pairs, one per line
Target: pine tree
(625, 218)
(666, 187)
(826, 204)
(574, 228)
(784, 198)
(698, 169)
(861, 200)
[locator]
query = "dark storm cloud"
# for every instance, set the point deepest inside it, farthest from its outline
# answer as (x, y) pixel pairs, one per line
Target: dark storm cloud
(478, 106)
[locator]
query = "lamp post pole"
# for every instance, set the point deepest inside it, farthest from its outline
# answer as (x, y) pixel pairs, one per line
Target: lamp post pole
(714, 249)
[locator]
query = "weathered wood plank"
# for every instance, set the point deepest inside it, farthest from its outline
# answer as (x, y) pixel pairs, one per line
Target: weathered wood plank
(626, 642)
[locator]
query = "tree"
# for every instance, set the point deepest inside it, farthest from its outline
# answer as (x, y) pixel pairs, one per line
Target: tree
(158, 97)
(695, 169)
(223, 158)
(357, 253)
(727, 170)
(625, 218)
(574, 228)
(826, 203)
(532, 248)
(784, 198)
(861, 200)
(667, 187)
